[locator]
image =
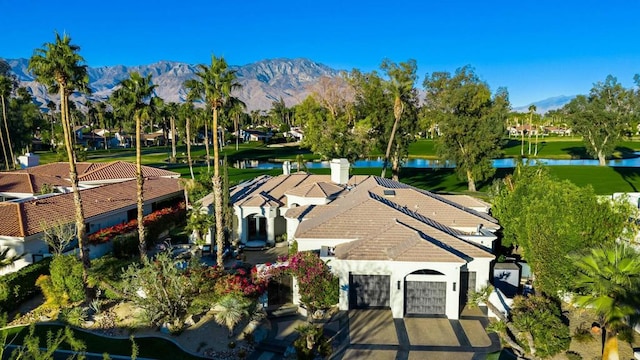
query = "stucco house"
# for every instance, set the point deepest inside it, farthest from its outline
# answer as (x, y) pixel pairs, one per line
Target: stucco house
(108, 191)
(391, 245)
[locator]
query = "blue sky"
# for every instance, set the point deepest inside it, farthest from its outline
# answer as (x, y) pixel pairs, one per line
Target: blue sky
(537, 49)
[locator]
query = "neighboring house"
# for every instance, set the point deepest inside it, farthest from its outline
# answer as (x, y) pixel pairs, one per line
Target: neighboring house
(54, 177)
(296, 133)
(109, 195)
(255, 135)
(391, 245)
(524, 129)
(561, 131)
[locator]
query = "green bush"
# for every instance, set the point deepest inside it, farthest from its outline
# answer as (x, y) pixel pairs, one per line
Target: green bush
(19, 286)
(74, 316)
(572, 355)
(66, 277)
(126, 246)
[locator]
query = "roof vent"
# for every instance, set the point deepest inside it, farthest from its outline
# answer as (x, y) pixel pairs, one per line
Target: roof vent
(389, 192)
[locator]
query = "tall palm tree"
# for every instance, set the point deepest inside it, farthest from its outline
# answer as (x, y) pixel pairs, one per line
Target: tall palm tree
(135, 94)
(400, 86)
(608, 281)
(532, 110)
(59, 66)
(186, 112)
(5, 86)
(196, 91)
(216, 82)
(236, 108)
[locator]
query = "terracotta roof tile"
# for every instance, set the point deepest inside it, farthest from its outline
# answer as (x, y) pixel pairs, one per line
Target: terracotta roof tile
(16, 183)
(95, 201)
(122, 170)
(10, 224)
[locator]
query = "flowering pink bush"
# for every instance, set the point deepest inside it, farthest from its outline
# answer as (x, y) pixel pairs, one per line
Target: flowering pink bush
(166, 215)
(319, 287)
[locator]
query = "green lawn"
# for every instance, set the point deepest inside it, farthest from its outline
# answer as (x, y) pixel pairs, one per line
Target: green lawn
(605, 180)
(152, 347)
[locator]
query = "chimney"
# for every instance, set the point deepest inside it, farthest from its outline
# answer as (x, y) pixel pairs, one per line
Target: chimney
(286, 168)
(340, 171)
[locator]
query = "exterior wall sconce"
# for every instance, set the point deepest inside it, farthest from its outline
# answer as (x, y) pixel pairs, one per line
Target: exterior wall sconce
(398, 284)
(454, 286)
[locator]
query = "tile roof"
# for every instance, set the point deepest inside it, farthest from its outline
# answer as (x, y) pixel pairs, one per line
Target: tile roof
(26, 218)
(466, 200)
(316, 190)
(398, 242)
(275, 188)
(57, 174)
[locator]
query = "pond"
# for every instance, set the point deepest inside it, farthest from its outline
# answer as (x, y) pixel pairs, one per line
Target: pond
(434, 163)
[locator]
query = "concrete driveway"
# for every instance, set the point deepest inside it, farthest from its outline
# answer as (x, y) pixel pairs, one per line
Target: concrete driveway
(374, 334)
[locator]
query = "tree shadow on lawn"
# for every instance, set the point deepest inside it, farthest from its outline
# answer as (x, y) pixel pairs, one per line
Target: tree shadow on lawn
(631, 175)
(577, 152)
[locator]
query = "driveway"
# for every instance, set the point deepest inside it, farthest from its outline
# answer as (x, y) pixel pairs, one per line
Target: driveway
(374, 334)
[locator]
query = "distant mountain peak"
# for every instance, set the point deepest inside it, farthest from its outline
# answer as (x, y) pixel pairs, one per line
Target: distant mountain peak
(545, 105)
(262, 82)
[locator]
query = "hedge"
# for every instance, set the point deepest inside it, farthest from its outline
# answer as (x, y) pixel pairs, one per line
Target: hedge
(19, 286)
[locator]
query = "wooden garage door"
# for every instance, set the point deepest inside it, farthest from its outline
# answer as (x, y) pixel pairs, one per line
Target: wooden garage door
(425, 297)
(368, 291)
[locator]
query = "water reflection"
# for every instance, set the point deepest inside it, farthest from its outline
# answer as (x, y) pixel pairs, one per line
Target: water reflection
(434, 163)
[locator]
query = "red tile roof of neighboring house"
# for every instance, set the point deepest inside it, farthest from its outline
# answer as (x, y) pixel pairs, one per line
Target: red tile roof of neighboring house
(31, 180)
(27, 218)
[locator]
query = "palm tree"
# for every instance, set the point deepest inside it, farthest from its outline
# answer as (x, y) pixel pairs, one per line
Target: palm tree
(186, 112)
(532, 109)
(231, 310)
(608, 281)
(135, 94)
(59, 66)
(236, 108)
(196, 91)
(7, 260)
(400, 85)
(7, 84)
(214, 85)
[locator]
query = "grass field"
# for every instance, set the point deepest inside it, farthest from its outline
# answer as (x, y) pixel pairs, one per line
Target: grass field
(149, 347)
(605, 180)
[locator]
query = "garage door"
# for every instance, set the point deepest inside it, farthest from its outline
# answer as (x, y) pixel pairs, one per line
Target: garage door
(425, 297)
(368, 291)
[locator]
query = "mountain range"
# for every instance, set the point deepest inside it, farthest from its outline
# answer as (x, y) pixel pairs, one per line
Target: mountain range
(263, 82)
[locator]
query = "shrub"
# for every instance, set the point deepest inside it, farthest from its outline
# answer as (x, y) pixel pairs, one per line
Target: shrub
(126, 246)
(53, 299)
(311, 343)
(74, 316)
(583, 334)
(66, 277)
(19, 286)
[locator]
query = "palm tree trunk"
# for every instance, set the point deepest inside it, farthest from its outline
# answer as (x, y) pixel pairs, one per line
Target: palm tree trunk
(217, 192)
(610, 350)
(4, 149)
(385, 164)
(536, 151)
(174, 152)
(6, 127)
(235, 125)
(188, 131)
(77, 200)
(142, 245)
(206, 146)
